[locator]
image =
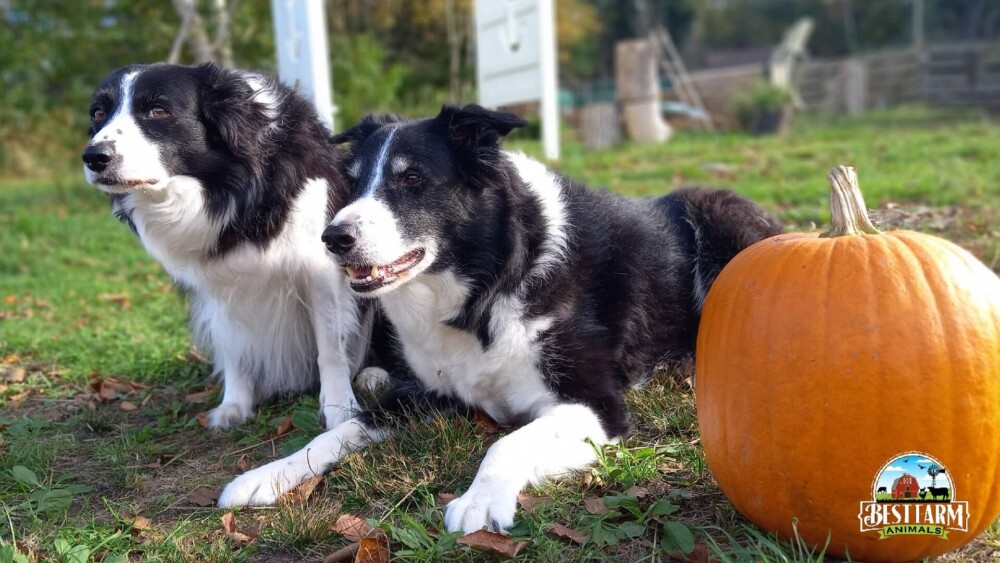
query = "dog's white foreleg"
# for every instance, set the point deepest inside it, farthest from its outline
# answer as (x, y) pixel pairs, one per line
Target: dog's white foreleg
(334, 317)
(238, 387)
(264, 485)
(552, 444)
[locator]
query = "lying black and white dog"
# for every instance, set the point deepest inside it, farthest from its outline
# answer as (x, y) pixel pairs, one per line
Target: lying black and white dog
(514, 291)
(228, 179)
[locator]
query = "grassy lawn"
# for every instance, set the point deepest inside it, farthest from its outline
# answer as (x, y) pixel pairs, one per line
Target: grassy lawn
(102, 454)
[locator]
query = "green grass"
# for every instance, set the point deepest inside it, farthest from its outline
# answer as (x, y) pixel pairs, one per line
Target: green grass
(80, 300)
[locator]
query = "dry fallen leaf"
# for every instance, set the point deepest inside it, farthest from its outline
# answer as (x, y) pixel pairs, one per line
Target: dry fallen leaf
(202, 419)
(492, 542)
(140, 523)
(128, 406)
(444, 498)
(595, 505)
(234, 534)
(637, 491)
(195, 356)
(284, 428)
(373, 549)
(531, 503)
(701, 554)
(203, 496)
(484, 424)
(200, 396)
(110, 388)
(343, 554)
(351, 527)
(244, 463)
(16, 376)
(301, 493)
(120, 299)
(567, 533)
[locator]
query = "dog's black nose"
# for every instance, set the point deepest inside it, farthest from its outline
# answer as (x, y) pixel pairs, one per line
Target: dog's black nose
(97, 156)
(339, 238)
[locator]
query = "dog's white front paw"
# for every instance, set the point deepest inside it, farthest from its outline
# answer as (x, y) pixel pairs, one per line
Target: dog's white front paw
(491, 506)
(333, 414)
(264, 485)
(371, 378)
(228, 415)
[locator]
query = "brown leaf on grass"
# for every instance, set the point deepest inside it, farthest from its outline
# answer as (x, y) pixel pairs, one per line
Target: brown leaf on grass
(16, 376)
(343, 554)
(120, 299)
(485, 540)
(301, 493)
(484, 424)
(531, 503)
(128, 406)
(595, 505)
(444, 498)
(10, 299)
(3, 387)
(200, 396)
(202, 419)
(351, 527)
(284, 428)
(701, 554)
(586, 479)
(637, 492)
(110, 388)
(194, 355)
(15, 399)
(140, 523)
(234, 534)
(203, 496)
(567, 533)
(244, 463)
(373, 549)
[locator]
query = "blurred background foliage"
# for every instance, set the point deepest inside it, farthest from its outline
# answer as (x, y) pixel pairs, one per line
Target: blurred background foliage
(406, 56)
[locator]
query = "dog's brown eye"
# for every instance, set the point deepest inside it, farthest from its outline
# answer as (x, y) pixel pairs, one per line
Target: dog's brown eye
(157, 112)
(98, 115)
(412, 180)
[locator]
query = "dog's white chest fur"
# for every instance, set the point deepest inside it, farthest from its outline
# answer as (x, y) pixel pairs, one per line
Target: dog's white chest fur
(504, 379)
(264, 296)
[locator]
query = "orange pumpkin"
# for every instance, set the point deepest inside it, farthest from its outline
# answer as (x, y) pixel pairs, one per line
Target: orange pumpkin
(820, 358)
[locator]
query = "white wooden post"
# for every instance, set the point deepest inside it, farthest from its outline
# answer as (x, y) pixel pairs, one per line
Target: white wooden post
(550, 78)
(516, 59)
(303, 56)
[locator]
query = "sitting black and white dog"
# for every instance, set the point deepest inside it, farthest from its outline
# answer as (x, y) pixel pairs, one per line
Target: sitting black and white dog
(228, 179)
(514, 291)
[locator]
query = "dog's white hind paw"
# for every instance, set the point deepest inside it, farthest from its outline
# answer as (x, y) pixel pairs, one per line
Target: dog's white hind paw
(228, 415)
(490, 506)
(264, 485)
(371, 378)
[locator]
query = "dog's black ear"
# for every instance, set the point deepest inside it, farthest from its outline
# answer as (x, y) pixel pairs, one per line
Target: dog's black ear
(365, 128)
(474, 126)
(228, 109)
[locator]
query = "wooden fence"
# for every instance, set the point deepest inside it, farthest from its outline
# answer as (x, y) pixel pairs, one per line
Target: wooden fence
(952, 74)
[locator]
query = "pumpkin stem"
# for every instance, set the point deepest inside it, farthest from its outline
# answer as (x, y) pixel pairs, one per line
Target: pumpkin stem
(848, 213)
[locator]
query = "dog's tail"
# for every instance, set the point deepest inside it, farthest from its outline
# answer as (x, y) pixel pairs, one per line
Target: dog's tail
(720, 225)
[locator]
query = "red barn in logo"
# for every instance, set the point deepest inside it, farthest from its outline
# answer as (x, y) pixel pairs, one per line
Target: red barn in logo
(905, 487)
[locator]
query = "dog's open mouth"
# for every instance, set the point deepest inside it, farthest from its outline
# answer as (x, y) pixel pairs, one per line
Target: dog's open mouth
(366, 278)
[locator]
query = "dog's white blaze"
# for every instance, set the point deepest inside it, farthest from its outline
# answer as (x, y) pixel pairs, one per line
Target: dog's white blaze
(264, 485)
(139, 158)
(383, 153)
(552, 444)
(504, 380)
(270, 317)
(546, 186)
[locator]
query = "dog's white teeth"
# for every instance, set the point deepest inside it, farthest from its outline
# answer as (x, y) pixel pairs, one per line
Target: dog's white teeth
(374, 271)
(349, 270)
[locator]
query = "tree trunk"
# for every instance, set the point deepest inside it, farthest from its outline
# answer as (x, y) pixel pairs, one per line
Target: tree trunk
(455, 52)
